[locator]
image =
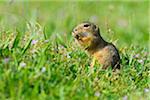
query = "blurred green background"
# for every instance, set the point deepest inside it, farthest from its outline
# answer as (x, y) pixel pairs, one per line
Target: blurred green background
(39, 59)
(126, 23)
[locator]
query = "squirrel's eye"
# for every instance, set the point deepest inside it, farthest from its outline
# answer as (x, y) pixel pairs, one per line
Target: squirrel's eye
(86, 25)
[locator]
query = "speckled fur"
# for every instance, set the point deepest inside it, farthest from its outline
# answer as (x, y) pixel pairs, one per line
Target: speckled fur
(88, 36)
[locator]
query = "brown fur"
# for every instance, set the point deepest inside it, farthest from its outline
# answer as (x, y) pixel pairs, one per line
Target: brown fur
(88, 36)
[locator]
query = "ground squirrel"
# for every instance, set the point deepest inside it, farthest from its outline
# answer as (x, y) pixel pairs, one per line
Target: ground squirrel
(88, 36)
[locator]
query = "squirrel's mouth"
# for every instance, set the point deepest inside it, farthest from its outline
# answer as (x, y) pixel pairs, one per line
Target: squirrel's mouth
(79, 36)
(84, 39)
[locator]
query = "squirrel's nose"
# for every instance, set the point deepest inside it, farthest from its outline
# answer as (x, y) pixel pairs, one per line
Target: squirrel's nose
(75, 30)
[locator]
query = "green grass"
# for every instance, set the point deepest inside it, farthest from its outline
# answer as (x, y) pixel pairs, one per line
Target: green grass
(40, 60)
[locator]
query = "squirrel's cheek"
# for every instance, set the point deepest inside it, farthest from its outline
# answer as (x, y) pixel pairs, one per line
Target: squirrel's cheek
(85, 34)
(86, 39)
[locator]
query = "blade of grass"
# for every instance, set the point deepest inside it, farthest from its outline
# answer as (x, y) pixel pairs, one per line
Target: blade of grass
(17, 39)
(26, 46)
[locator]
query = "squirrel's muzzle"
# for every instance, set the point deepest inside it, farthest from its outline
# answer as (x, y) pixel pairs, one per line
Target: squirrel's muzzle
(80, 36)
(77, 36)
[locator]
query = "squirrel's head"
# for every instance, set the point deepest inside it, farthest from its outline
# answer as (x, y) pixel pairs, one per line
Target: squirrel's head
(85, 33)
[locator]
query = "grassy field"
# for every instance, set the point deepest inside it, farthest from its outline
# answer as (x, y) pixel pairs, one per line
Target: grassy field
(40, 60)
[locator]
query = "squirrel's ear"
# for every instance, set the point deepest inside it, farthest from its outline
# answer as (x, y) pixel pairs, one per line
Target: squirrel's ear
(97, 29)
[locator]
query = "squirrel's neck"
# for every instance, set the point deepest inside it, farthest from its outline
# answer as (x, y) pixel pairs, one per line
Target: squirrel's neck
(98, 43)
